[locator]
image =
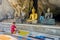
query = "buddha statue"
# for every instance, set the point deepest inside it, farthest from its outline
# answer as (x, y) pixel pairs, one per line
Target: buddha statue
(33, 17)
(48, 15)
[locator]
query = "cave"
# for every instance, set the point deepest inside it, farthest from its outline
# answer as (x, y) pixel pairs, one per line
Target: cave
(56, 15)
(35, 4)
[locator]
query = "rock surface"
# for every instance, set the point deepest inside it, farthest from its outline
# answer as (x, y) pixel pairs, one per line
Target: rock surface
(5, 8)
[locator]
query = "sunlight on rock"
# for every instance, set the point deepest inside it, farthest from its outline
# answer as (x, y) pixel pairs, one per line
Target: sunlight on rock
(7, 37)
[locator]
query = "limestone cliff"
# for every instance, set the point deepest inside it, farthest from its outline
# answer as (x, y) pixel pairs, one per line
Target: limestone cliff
(5, 8)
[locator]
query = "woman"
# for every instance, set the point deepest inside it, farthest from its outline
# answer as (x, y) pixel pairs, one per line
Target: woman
(13, 28)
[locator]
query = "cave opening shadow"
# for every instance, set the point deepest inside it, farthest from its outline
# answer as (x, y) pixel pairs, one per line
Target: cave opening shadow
(35, 4)
(56, 16)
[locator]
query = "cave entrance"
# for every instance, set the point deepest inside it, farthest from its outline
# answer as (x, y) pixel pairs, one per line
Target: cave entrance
(35, 4)
(57, 16)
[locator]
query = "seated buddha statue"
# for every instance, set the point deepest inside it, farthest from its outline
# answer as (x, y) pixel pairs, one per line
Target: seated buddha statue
(33, 17)
(48, 15)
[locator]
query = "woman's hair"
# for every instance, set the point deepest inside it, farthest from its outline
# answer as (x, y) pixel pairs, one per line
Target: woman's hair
(13, 22)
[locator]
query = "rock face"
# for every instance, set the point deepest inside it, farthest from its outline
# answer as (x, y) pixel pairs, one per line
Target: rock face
(55, 2)
(5, 8)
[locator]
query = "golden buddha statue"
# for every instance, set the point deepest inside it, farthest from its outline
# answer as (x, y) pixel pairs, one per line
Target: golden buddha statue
(33, 16)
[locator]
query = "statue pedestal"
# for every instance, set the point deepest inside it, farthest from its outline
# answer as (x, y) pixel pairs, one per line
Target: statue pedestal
(51, 21)
(48, 21)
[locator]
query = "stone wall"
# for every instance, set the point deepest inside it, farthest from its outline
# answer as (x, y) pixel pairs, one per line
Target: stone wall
(47, 29)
